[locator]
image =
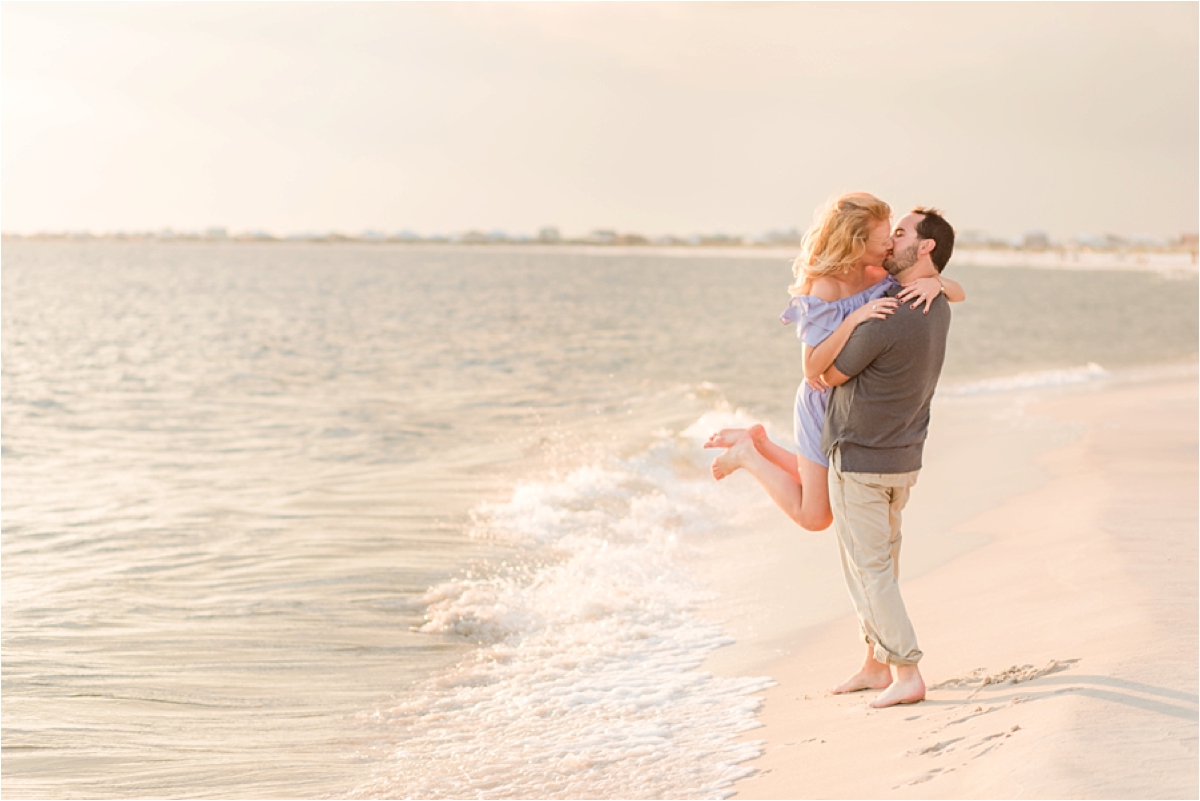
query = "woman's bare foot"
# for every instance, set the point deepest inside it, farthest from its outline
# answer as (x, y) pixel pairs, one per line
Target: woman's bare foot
(731, 460)
(866, 679)
(728, 437)
(908, 688)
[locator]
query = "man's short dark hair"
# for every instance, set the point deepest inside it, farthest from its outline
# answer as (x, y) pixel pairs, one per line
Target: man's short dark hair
(934, 226)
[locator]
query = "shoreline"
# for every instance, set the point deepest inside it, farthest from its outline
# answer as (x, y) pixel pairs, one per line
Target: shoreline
(1169, 262)
(1055, 663)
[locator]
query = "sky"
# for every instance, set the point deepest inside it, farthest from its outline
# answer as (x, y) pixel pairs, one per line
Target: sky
(655, 118)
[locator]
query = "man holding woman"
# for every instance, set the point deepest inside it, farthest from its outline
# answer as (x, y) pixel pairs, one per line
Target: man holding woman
(878, 341)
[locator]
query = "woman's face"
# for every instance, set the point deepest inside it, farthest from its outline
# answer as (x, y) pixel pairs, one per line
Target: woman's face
(879, 244)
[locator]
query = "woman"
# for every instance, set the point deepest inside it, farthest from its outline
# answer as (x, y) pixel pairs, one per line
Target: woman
(839, 284)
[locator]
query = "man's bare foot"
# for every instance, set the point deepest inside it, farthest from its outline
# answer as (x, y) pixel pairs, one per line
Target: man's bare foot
(866, 679)
(731, 460)
(908, 688)
(728, 437)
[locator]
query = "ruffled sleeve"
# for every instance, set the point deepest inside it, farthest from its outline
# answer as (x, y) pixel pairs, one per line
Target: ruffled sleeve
(815, 318)
(878, 290)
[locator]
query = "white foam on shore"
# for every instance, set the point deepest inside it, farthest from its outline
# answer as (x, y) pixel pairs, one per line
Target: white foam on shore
(587, 680)
(1170, 264)
(1028, 380)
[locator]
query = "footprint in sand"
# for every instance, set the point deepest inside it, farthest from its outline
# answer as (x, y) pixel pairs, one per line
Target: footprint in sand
(932, 774)
(960, 751)
(980, 711)
(975, 747)
(937, 748)
(971, 745)
(1016, 675)
(980, 678)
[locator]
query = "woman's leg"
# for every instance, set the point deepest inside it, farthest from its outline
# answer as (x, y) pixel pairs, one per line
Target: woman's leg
(776, 454)
(806, 502)
(815, 479)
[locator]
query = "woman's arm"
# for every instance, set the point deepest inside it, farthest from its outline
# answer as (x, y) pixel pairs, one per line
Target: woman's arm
(924, 290)
(819, 359)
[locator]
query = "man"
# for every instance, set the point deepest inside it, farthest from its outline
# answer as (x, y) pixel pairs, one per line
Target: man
(874, 432)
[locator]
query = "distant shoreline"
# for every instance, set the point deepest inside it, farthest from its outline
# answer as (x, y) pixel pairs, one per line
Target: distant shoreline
(1061, 258)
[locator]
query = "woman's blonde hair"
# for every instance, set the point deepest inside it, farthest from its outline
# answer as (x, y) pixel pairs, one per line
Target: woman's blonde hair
(837, 238)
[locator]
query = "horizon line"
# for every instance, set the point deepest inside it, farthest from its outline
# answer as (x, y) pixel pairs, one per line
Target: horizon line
(970, 240)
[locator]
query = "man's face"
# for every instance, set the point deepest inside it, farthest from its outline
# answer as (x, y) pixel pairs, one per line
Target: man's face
(905, 244)
(879, 244)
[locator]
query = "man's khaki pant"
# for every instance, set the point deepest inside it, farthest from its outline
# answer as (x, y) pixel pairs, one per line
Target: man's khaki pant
(866, 516)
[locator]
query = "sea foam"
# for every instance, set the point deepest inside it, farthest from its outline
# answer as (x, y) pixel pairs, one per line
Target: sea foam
(588, 679)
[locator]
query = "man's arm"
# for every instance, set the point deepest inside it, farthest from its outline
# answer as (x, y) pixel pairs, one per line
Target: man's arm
(866, 342)
(834, 377)
(817, 359)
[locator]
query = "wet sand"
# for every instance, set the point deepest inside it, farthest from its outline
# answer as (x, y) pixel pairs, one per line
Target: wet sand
(1055, 598)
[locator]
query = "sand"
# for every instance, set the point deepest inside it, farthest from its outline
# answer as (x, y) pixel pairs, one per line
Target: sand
(1059, 621)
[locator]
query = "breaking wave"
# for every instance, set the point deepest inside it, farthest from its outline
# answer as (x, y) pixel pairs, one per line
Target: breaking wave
(588, 679)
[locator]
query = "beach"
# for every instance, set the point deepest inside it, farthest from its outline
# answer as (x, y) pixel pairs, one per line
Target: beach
(359, 364)
(306, 520)
(1061, 652)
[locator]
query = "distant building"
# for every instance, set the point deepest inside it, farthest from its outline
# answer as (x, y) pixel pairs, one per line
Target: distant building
(1190, 241)
(972, 238)
(549, 234)
(780, 237)
(720, 240)
(1036, 240)
(216, 232)
(602, 236)
(1090, 241)
(632, 239)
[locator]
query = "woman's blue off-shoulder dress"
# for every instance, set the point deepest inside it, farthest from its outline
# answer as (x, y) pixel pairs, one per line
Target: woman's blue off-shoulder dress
(815, 320)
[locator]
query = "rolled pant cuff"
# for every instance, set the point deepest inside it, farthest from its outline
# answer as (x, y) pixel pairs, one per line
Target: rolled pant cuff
(888, 658)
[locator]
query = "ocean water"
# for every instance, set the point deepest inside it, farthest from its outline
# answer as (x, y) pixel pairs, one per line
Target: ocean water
(299, 520)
